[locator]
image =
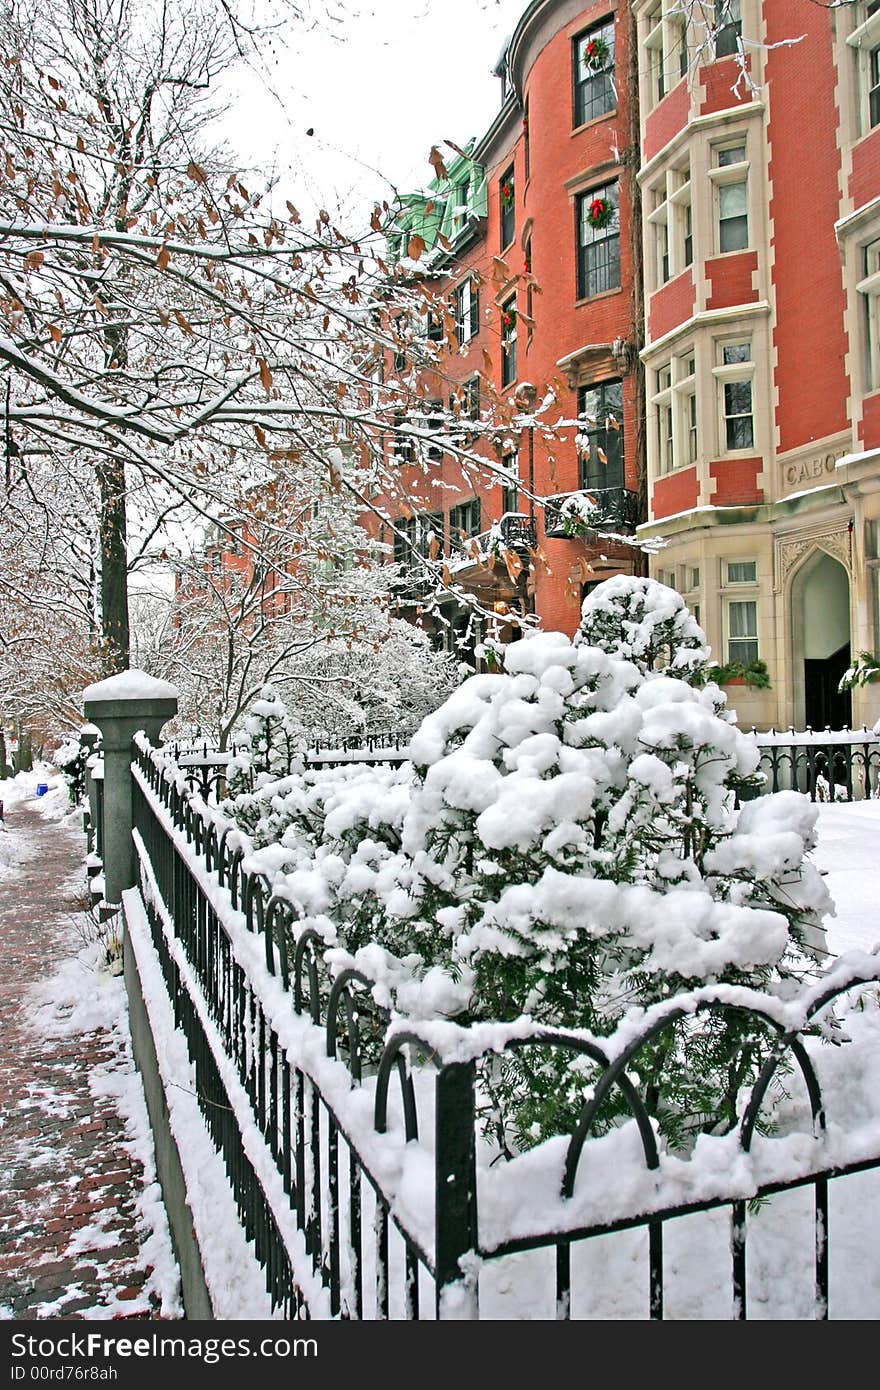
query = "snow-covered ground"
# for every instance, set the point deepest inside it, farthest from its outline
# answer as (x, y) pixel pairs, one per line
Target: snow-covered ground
(848, 853)
(80, 996)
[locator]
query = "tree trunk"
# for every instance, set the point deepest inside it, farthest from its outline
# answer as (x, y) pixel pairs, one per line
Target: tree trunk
(4, 770)
(114, 566)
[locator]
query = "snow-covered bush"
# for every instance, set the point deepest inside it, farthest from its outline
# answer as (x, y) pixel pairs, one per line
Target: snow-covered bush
(271, 746)
(647, 623)
(68, 758)
(567, 846)
(579, 515)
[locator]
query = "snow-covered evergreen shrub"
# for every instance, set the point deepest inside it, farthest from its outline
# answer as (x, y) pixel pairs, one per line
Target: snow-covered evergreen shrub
(68, 758)
(271, 746)
(646, 623)
(567, 847)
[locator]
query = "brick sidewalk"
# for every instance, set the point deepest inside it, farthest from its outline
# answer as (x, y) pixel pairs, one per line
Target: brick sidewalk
(70, 1237)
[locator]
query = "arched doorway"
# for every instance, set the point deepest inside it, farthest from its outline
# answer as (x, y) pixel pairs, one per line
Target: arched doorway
(821, 641)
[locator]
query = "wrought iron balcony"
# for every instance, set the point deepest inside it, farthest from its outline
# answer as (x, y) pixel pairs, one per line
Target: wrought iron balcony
(615, 508)
(514, 531)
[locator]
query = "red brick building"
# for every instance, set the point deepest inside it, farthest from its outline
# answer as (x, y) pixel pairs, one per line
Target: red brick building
(532, 238)
(760, 182)
(726, 318)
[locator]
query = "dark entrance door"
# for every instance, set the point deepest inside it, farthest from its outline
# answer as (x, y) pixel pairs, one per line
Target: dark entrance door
(825, 705)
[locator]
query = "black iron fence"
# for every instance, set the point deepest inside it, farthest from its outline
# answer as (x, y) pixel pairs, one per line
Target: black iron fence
(827, 764)
(312, 1053)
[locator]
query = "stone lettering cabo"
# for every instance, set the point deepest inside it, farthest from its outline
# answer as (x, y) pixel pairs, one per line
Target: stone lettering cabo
(808, 470)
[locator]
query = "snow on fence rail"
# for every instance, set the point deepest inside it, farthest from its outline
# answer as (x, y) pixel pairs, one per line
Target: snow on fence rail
(826, 764)
(352, 1143)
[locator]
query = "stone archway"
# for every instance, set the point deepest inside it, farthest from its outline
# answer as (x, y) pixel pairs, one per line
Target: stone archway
(820, 628)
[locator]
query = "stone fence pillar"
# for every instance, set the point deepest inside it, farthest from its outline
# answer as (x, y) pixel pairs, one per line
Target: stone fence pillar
(121, 706)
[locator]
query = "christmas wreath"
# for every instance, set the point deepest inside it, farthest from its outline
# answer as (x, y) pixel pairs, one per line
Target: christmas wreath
(596, 54)
(600, 213)
(507, 194)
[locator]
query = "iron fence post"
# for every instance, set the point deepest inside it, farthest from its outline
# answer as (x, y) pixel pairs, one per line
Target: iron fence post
(455, 1189)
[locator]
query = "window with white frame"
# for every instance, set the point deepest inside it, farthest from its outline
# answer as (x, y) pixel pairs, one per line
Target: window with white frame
(671, 220)
(734, 372)
(689, 587)
(665, 431)
(869, 291)
(741, 572)
(655, 48)
(664, 41)
(872, 561)
(730, 176)
(728, 27)
(466, 307)
(865, 39)
(741, 610)
(742, 630)
(675, 405)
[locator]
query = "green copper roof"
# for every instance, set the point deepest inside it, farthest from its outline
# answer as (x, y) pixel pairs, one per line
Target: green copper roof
(445, 208)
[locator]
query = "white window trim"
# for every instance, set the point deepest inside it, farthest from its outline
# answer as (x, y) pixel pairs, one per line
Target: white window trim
(734, 371)
(720, 174)
(868, 290)
(676, 396)
(463, 325)
(739, 583)
(864, 39)
(672, 196)
(741, 596)
(664, 31)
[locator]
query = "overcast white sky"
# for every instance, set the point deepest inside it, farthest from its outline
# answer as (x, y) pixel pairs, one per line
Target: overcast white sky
(378, 88)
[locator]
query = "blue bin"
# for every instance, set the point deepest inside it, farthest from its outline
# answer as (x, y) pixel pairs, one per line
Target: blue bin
(42, 788)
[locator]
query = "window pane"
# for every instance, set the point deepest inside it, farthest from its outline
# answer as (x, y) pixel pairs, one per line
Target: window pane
(742, 572)
(743, 619)
(737, 398)
(740, 434)
(507, 194)
(745, 652)
(736, 352)
(734, 154)
(733, 199)
(728, 22)
(602, 406)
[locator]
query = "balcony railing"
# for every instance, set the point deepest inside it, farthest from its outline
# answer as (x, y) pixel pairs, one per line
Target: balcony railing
(616, 508)
(514, 531)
